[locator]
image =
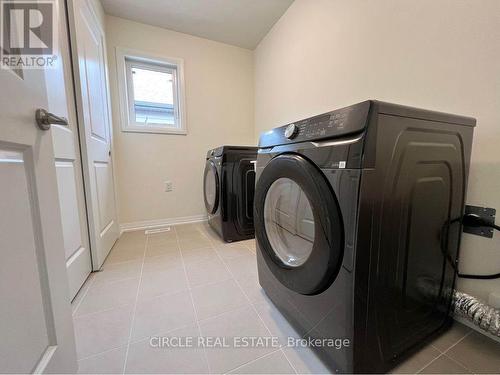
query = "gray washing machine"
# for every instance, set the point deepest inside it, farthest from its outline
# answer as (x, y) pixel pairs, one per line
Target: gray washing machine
(355, 216)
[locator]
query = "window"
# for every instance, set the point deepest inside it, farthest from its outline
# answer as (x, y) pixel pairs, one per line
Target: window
(151, 92)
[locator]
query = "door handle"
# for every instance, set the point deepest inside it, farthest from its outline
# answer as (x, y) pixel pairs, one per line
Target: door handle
(44, 119)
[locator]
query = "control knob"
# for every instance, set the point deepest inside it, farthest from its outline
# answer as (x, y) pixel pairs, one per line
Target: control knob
(291, 131)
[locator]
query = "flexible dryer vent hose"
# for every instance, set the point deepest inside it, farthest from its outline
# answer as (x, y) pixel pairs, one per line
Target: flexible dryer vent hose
(484, 316)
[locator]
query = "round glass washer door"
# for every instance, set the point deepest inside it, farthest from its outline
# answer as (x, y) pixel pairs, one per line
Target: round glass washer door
(298, 224)
(289, 222)
(211, 187)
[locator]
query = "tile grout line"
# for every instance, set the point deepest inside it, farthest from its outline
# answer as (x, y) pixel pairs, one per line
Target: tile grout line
(83, 297)
(456, 343)
(176, 328)
(119, 263)
(107, 283)
(208, 284)
(191, 298)
(252, 306)
(163, 333)
(121, 305)
(288, 360)
(75, 315)
(204, 320)
(443, 353)
(101, 353)
(130, 341)
(212, 246)
(452, 346)
(251, 250)
(428, 364)
(135, 305)
(131, 303)
(459, 363)
(252, 361)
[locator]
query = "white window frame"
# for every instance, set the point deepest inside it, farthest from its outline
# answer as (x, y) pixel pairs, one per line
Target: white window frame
(125, 59)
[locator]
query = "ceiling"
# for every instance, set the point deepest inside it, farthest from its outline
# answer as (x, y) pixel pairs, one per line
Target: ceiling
(241, 23)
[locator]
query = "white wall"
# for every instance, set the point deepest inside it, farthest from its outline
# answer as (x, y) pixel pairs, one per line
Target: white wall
(435, 54)
(219, 104)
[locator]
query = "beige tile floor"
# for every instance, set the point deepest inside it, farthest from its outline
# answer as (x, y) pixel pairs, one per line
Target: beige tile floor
(188, 283)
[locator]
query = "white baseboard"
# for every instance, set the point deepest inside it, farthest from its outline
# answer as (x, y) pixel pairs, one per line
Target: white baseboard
(151, 224)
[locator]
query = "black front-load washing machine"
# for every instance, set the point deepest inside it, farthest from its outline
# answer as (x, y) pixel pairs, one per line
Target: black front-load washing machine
(357, 221)
(228, 184)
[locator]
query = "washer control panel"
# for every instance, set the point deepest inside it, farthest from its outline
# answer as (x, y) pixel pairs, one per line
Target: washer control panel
(328, 125)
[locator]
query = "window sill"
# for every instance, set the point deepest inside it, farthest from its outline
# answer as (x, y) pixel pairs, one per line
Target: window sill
(153, 130)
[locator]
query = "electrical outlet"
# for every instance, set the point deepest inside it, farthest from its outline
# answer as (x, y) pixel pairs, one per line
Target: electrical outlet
(169, 186)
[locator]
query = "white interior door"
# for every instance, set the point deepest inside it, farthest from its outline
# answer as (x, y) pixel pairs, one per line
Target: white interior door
(36, 328)
(88, 44)
(68, 163)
